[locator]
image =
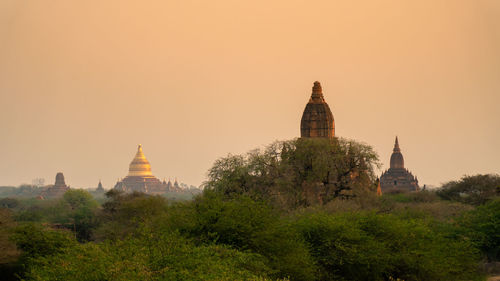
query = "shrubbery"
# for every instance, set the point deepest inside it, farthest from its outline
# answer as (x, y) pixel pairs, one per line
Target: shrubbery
(298, 210)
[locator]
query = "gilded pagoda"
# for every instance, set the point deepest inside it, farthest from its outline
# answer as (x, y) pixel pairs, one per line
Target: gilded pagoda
(141, 179)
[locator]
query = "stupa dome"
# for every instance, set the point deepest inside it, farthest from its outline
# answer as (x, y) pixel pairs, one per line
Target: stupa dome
(397, 160)
(139, 167)
(317, 119)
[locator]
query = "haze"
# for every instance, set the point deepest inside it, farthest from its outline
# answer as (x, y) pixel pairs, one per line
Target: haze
(83, 82)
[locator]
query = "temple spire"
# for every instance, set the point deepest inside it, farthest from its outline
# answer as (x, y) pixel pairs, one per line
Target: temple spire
(140, 165)
(396, 145)
(317, 119)
(317, 93)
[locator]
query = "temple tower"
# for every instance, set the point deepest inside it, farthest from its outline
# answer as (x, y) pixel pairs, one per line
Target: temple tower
(56, 190)
(99, 188)
(140, 178)
(397, 178)
(140, 167)
(317, 119)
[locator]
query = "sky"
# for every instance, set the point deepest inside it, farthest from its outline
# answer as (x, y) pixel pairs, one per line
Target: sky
(83, 82)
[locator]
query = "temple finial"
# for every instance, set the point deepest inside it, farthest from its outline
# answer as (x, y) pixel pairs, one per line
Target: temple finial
(317, 88)
(396, 145)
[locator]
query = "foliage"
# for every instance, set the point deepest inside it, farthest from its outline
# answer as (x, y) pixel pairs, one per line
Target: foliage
(366, 246)
(8, 250)
(9, 203)
(482, 226)
(474, 190)
(247, 225)
(280, 212)
(297, 173)
(34, 240)
(149, 257)
(123, 213)
(22, 191)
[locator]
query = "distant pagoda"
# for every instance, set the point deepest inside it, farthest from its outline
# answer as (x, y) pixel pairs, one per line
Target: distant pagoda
(141, 179)
(397, 178)
(317, 119)
(99, 187)
(56, 190)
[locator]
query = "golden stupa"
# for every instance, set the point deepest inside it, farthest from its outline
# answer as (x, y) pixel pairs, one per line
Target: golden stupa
(140, 167)
(140, 178)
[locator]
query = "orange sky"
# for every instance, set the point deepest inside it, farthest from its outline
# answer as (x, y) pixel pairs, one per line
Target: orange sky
(83, 82)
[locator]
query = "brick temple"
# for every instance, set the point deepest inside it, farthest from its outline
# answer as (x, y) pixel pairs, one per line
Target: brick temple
(317, 119)
(397, 178)
(56, 190)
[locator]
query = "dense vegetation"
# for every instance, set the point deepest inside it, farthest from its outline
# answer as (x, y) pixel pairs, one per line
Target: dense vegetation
(298, 210)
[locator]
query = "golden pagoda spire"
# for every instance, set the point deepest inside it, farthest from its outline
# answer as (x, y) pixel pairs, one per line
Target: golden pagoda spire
(139, 167)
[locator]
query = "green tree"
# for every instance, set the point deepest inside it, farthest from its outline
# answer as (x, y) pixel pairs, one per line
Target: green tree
(37, 241)
(298, 173)
(368, 246)
(9, 253)
(77, 211)
(247, 225)
(123, 213)
(149, 256)
(482, 226)
(474, 190)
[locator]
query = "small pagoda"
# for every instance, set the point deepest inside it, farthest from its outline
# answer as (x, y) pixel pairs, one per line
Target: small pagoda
(398, 178)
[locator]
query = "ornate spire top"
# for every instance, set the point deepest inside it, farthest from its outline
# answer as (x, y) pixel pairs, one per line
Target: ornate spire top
(317, 119)
(397, 160)
(99, 186)
(317, 93)
(396, 145)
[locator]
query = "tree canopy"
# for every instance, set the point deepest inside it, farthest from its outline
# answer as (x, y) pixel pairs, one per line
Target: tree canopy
(298, 172)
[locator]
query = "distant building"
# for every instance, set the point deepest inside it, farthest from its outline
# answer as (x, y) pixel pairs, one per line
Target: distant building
(141, 179)
(397, 178)
(56, 190)
(100, 188)
(317, 119)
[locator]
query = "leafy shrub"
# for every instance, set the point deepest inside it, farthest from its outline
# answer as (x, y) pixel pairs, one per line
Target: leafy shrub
(149, 257)
(368, 246)
(247, 225)
(474, 190)
(482, 226)
(298, 173)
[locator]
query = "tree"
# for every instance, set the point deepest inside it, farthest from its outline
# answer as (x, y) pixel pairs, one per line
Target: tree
(123, 213)
(244, 224)
(474, 190)
(299, 172)
(369, 246)
(149, 256)
(482, 226)
(8, 250)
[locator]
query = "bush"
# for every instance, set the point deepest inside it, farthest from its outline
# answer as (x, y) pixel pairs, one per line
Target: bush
(474, 190)
(482, 226)
(149, 257)
(367, 246)
(298, 173)
(247, 225)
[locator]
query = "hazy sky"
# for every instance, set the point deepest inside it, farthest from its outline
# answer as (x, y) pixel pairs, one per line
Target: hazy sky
(83, 82)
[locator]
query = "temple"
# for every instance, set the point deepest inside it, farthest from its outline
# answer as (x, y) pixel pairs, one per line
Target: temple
(397, 178)
(317, 119)
(99, 187)
(56, 190)
(141, 179)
